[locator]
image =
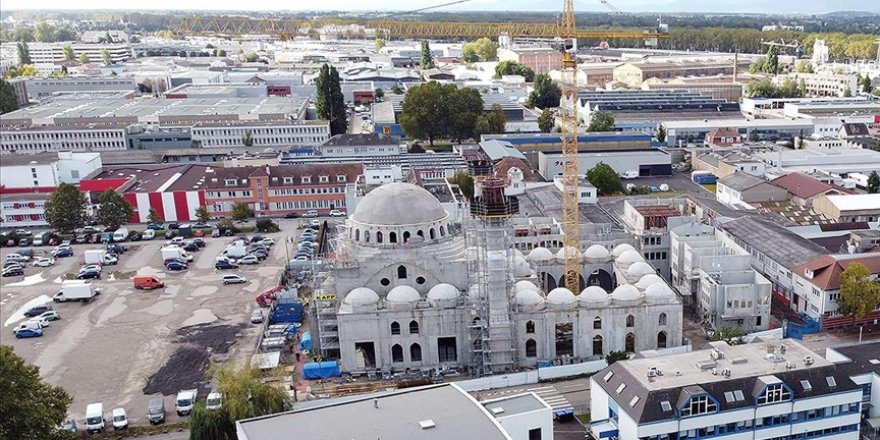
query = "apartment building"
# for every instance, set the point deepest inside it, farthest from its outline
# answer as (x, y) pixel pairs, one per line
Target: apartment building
(364, 144)
(273, 134)
(823, 84)
(742, 190)
(540, 60)
(47, 54)
(282, 189)
(772, 390)
(817, 286)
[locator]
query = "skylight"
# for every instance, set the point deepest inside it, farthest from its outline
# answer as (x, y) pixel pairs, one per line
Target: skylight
(620, 388)
(807, 385)
(634, 401)
(739, 395)
(608, 376)
(666, 405)
(831, 381)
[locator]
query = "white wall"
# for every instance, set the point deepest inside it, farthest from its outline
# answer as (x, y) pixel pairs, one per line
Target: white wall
(21, 176)
(519, 425)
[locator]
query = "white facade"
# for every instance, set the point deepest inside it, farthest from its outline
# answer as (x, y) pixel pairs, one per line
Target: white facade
(264, 135)
(69, 168)
(47, 54)
(39, 139)
(360, 150)
(38, 88)
(823, 84)
(19, 210)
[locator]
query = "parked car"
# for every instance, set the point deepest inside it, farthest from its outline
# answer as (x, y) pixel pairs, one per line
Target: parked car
(68, 425)
(44, 262)
(49, 315)
(154, 227)
(116, 248)
(215, 233)
(173, 226)
(315, 224)
(135, 236)
(176, 266)
(156, 410)
(223, 265)
(41, 322)
(91, 267)
(37, 310)
(89, 274)
(234, 279)
(14, 264)
(268, 242)
(312, 213)
(200, 225)
(336, 213)
(148, 234)
(62, 252)
(191, 247)
(148, 282)
(291, 215)
(199, 233)
(199, 242)
(81, 238)
(12, 272)
(257, 316)
(23, 232)
(120, 419)
(260, 254)
(28, 333)
(249, 259)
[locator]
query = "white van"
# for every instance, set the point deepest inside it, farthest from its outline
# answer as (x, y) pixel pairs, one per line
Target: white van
(120, 419)
(214, 401)
(149, 234)
(312, 213)
(14, 258)
(95, 417)
(120, 234)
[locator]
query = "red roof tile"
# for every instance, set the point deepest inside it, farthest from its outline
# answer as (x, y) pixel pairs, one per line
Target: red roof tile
(827, 269)
(801, 186)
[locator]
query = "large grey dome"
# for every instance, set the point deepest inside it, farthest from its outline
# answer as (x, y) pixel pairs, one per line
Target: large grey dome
(398, 204)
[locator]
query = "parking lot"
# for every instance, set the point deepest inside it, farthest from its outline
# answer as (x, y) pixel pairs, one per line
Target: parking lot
(111, 349)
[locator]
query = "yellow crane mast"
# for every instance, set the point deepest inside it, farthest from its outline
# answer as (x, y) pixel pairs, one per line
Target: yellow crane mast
(568, 112)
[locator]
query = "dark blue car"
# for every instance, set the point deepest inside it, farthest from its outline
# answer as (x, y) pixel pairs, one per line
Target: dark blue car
(175, 266)
(63, 252)
(221, 265)
(37, 310)
(155, 227)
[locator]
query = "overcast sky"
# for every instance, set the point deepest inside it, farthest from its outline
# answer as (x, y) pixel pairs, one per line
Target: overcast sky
(760, 6)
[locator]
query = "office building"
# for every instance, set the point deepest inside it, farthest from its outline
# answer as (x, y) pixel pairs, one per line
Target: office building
(823, 83)
(756, 130)
(41, 88)
(45, 55)
(817, 286)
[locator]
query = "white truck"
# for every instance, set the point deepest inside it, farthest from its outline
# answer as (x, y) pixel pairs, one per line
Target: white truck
(186, 400)
(76, 290)
(98, 256)
(175, 253)
(236, 250)
(95, 417)
(120, 234)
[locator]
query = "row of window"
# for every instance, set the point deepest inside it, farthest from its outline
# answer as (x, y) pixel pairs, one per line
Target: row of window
(64, 135)
(303, 191)
(213, 141)
(696, 434)
(304, 129)
(655, 255)
(7, 146)
(308, 204)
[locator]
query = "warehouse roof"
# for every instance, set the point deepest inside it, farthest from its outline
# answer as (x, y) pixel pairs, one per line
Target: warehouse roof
(741, 181)
(775, 241)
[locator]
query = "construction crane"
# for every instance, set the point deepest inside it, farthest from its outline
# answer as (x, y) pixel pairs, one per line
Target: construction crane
(571, 240)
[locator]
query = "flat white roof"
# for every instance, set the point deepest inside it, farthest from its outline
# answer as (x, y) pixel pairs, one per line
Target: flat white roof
(856, 202)
(736, 123)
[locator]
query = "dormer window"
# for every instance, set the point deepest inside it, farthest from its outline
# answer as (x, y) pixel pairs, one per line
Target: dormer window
(324, 179)
(808, 274)
(230, 182)
(340, 178)
(702, 404)
(306, 179)
(288, 180)
(775, 393)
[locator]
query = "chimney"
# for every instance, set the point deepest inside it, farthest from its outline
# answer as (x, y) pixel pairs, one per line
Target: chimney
(735, 65)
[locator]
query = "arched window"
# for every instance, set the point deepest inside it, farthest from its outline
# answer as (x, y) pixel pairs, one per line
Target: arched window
(630, 344)
(597, 345)
(530, 327)
(406, 236)
(392, 237)
(366, 236)
(442, 231)
(630, 321)
(662, 319)
(415, 353)
(661, 339)
(432, 234)
(421, 233)
(378, 236)
(401, 272)
(413, 327)
(357, 235)
(395, 328)
(396, 353)
(531, 348)
(597, 323)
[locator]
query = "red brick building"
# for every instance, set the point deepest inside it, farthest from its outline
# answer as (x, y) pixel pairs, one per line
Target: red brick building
(278, 190)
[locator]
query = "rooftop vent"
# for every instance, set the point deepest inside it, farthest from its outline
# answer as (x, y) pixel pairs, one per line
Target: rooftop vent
(705, 365)
(808, 360)
(427, 424)
(497, 410)
(739, 360)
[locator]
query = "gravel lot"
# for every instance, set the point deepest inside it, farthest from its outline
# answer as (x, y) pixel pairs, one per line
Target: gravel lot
(107, 350)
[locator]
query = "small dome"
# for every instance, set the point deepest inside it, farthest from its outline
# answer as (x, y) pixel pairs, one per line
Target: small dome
(361, 296)
(562, 253)
(403, 294)
(561, 295)
(540, 254)
(518, 253)
(443, 291)
(630, 257)
(658, 290)
(625, 292)
(593, 294)
(526, 285)
(639, 269)
(621, 248)
(528, 297)
(521, 268)
(596, 252)
(647, 280)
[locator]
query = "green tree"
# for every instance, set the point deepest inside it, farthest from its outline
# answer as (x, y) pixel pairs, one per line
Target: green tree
(859, 295)
(427, 58)
(84, 58)
(105, 57)
(330, 101)
(24, 54)
(247, 139)
(731, 335)
(154, 217)
(32, 409)
(465, 105)
(8, 101)
(219, 52)
(873, 183)
(546, 93)
(605, 179)
(514, 68)
(547, 120)
(465, 183)
(68, 52)
(757, 66)
(114, 211)
(753, 136)
(847, 93)
(266, 225)
(661, 133)
(482, 49)
(601, 120)
(425, 111)
(802, 88)
(615, 356)
(202, 214)
(240, 211)
(396, 90)
(378, 93)
(215, 424)
(25, 70)
(251, 56)
(772, 64)
(380, 43)
(65, 208)
(804, 67)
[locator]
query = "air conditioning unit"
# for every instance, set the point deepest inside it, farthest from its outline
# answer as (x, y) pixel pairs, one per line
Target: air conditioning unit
(716, 354)
(725, 372)
(789, 365)
(808, 360)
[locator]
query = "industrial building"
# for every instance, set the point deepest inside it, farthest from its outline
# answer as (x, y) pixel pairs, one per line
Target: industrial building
(649, 162)
(633, 74)
(539, 59)
(353, 145)
(714, 87)
(742, 190)
(654, 105)
(593, 141)
(438, 411)
(770, 130)
(817, 287)
(45, 55)
(41, 88)
(847, 208)
(773, 389)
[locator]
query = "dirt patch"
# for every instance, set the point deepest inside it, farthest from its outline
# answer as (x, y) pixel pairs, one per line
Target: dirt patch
(186, 367)
(122, 275)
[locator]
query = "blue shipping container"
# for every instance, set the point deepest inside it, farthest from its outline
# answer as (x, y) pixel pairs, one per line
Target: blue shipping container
(321, 370)
(306, 341)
